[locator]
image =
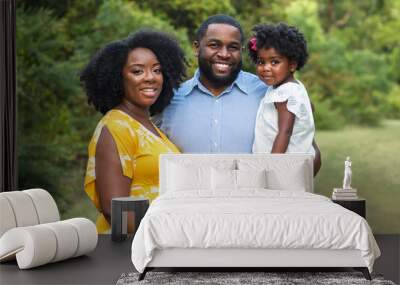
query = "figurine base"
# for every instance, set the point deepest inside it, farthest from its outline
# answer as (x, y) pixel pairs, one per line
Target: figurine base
(348, 190)
(344, 194)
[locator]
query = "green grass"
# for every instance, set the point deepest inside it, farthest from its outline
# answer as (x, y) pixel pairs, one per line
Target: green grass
(375, 155)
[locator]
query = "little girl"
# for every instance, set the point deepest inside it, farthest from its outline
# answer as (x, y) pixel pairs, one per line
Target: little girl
(284, 123)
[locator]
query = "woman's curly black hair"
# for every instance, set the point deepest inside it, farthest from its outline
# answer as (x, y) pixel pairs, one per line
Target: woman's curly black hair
(287, 40)
(102, 77)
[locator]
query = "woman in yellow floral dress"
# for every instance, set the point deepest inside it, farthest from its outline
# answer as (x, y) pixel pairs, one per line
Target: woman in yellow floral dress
(128, 81)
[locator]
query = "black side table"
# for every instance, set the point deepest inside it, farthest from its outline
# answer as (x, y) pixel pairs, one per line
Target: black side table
(119, 215)
(356, 205)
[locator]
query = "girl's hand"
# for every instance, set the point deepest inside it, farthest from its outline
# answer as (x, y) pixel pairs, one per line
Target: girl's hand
(285, 128)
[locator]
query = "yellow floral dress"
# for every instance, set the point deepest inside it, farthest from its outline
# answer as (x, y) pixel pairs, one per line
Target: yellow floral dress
(138, 150)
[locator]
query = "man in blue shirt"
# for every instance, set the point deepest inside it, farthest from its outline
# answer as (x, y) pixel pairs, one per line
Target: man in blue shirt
(215, 111)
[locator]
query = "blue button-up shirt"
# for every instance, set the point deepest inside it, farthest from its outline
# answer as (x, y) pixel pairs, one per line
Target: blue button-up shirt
(196, 121)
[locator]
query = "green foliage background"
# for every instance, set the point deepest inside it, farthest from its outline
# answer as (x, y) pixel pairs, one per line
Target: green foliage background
(352, 77)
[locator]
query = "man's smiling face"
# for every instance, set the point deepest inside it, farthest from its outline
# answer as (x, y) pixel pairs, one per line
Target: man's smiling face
(219, 55)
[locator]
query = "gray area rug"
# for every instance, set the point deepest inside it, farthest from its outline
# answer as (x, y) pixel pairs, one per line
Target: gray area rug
(243, 278)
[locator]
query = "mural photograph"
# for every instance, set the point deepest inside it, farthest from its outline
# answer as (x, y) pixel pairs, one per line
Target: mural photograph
(352, 78)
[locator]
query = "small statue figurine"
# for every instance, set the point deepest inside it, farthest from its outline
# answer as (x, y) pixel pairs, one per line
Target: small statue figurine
(347, 174)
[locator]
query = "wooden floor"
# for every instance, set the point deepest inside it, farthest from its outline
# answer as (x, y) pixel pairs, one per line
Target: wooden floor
(110, 260)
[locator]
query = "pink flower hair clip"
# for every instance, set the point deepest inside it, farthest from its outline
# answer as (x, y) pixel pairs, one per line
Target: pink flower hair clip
(253, 42)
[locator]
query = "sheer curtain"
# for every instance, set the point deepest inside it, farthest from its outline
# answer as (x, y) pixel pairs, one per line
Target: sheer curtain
(8, 100)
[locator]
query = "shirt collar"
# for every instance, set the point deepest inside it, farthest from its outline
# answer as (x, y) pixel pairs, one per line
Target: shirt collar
(195, 81)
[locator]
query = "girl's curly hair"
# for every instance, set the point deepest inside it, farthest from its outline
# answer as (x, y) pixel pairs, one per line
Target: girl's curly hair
(287, 40)
(102, 77)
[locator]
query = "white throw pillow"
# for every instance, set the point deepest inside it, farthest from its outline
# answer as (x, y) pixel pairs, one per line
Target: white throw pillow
(187, 173)
(223, 179)
(251, 178)
(282, 174)
(185, 177)
(235, 179)
(291, 180)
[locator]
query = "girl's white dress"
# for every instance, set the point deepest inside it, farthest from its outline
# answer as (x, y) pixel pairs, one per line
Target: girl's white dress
(299, 104)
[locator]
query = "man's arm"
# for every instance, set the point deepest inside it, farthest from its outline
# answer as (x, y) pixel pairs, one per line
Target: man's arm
(317, 158)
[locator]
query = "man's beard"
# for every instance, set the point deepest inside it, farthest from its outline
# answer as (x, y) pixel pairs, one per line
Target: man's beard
(217, 81)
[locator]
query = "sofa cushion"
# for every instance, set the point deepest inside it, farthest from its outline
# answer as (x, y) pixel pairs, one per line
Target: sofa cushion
(7, 215)
(40, 244)
(45, 206)
(23, 208)
(27, 208)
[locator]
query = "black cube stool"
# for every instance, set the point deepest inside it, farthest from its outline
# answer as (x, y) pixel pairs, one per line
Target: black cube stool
(119, 215)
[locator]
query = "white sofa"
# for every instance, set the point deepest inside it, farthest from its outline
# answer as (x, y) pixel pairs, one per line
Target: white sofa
(280, 223)
(31, 231)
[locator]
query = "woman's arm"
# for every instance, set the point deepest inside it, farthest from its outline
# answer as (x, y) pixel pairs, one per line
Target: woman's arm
(285, 128)
(110, 181)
